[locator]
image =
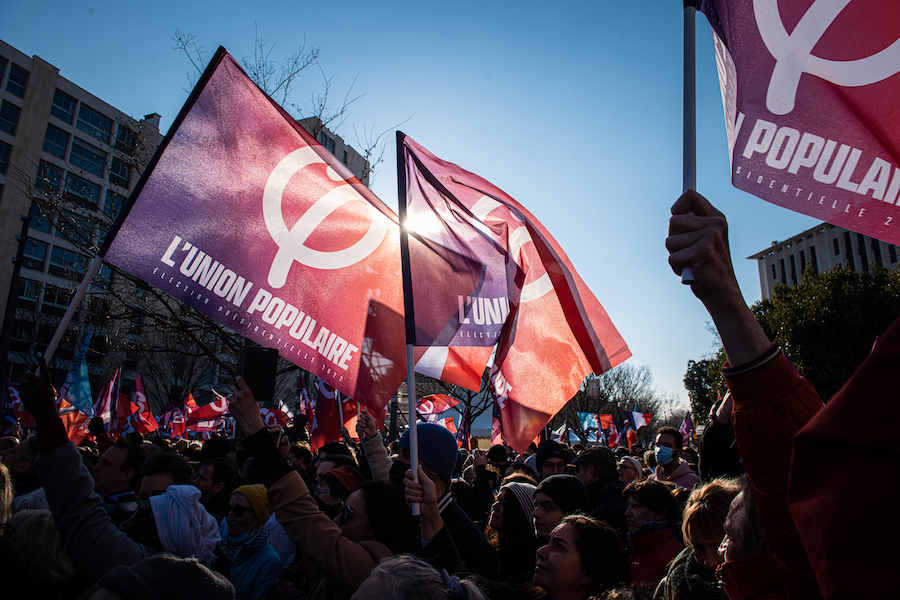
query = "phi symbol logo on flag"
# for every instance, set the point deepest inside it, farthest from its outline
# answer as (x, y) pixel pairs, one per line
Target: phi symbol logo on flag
(793, 53)
(291, 242)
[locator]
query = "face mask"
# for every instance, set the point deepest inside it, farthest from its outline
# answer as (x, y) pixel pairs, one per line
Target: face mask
(664, 455)
(398, 472)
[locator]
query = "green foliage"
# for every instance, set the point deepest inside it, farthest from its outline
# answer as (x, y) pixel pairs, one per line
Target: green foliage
(704, 382)
(828, 323)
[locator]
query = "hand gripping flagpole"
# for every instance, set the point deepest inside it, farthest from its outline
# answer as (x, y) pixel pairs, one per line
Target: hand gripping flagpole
(689, 136)
(409, 316)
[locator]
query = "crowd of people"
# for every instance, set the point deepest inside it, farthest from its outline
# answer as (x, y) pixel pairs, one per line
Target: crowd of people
(264, 517)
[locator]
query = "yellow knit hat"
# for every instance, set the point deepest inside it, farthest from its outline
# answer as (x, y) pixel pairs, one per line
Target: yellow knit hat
(259, 501)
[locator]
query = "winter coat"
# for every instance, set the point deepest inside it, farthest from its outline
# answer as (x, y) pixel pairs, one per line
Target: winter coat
(652, 552)
(252, 564)
(683, 476)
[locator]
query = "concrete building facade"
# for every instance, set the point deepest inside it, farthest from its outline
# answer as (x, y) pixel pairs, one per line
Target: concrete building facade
(822, 247)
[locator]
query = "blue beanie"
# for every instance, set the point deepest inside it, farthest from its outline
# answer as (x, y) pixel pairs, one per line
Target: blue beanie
(437, 448)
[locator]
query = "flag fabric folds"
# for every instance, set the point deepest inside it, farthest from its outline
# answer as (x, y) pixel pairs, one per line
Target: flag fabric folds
(435, 404)
(143, 418)
(686, 429)
(638, 419)
(553, 331)
(811, 114)
(326, 423)
(208, 412)
(590, 425)
(73, 402)
(496, 425)
(246, 218)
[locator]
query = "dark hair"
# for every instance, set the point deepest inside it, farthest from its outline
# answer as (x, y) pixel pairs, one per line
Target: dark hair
(217, 446)
(301, 451)
(332, 448)
(224, 471)
(338, 489)
(674, 433)
(743, 525)
(388, 514)
(134, 459)
(168, 462)
(341, 460)
(603, 557)
(656, 496)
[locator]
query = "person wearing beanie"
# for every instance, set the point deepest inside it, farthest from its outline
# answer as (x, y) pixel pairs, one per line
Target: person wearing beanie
(335, 486)
(556, 497)
(597, 470)
(164, 577)
(437, 455)
(552, 458)
(244, 554)
(511, 516)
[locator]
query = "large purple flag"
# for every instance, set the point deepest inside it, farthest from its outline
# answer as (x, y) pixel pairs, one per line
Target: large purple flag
(247, 219)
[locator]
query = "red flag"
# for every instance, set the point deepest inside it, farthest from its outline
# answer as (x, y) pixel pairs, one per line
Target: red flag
(107, 401)
(208, 412)
(326, 425)
(274, 417)
(175, 421)
(22, 415)
(435, 404)
(613, 439)
(556, 331)
(811, 114)
(144, 421)
(606, 422)
(75, 421)
(268, 248)
(459, 365)
(449, 424)
(496, 425)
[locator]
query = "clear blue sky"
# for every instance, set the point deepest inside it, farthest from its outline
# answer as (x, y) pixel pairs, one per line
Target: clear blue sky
(573, 108)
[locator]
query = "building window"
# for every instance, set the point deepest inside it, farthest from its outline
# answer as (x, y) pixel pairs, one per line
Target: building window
(103, 277)
(56, 301)
(815, 262)
(55, 141)
(48, 177)
(28, 294)
(2, 66)
(76, 229)
(345, 157)
(793, 270)
(837, 247)
(81, 191)
(4, 156)
(63, 107)
(9, 116)
(120, 172)
(326, 141)
(38, 222)
(87, 158)
(124, 139)
(35, 253)
(131, 359)
(783, 273)
(892, 253)
(876, 252)
(848, 251)
(65, 263)
(93, 123)
(22, 334)
(15, 85)
(114, 203)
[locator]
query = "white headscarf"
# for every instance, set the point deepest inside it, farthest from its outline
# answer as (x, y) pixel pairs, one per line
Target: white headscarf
(183, 525)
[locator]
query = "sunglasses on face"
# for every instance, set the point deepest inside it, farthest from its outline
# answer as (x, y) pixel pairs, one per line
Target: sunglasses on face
(240, 511)
(347, 513)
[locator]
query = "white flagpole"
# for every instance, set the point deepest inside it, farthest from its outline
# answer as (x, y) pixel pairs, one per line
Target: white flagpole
(689, 136)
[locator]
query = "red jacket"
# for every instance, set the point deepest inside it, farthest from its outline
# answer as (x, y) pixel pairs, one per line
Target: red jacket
(652, 554)
(772, 402)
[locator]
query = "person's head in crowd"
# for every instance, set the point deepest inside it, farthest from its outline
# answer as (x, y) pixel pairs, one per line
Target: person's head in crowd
(578, 447)
(437, 453)
(217, 446)
(596, 464)
(512, 512)
(300, 456)
(162, 469)
(552, 458)
(744, 535)
(336, 485)
(38, 547)
(119, 469)
(468, 474)
(135, 437)
(21, 459)
(6, 495)
(214, 477)
(335, 449)
(556, 497)
(521, 468)
(582, 558)
(668, 446)
(163, 577)
(249, 509)
(89, 457)
(690, 455)
(333, 462)
(7, 443)
(630, 469)
(497, 455)
(175, 521)
(519, 477)
(377, 511)
(405, 577)
(647, 501)
(463, 494)
(650, 459)
(703, 521)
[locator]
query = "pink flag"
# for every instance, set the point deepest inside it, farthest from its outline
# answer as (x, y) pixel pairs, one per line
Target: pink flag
(208, 412)
(686, 429)
(809, 90)
(274, 417)
(246, 218)
(554, 330)
(496, 425)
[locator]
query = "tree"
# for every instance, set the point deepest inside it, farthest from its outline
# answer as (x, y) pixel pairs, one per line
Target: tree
(704, 383)
(828, 322)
